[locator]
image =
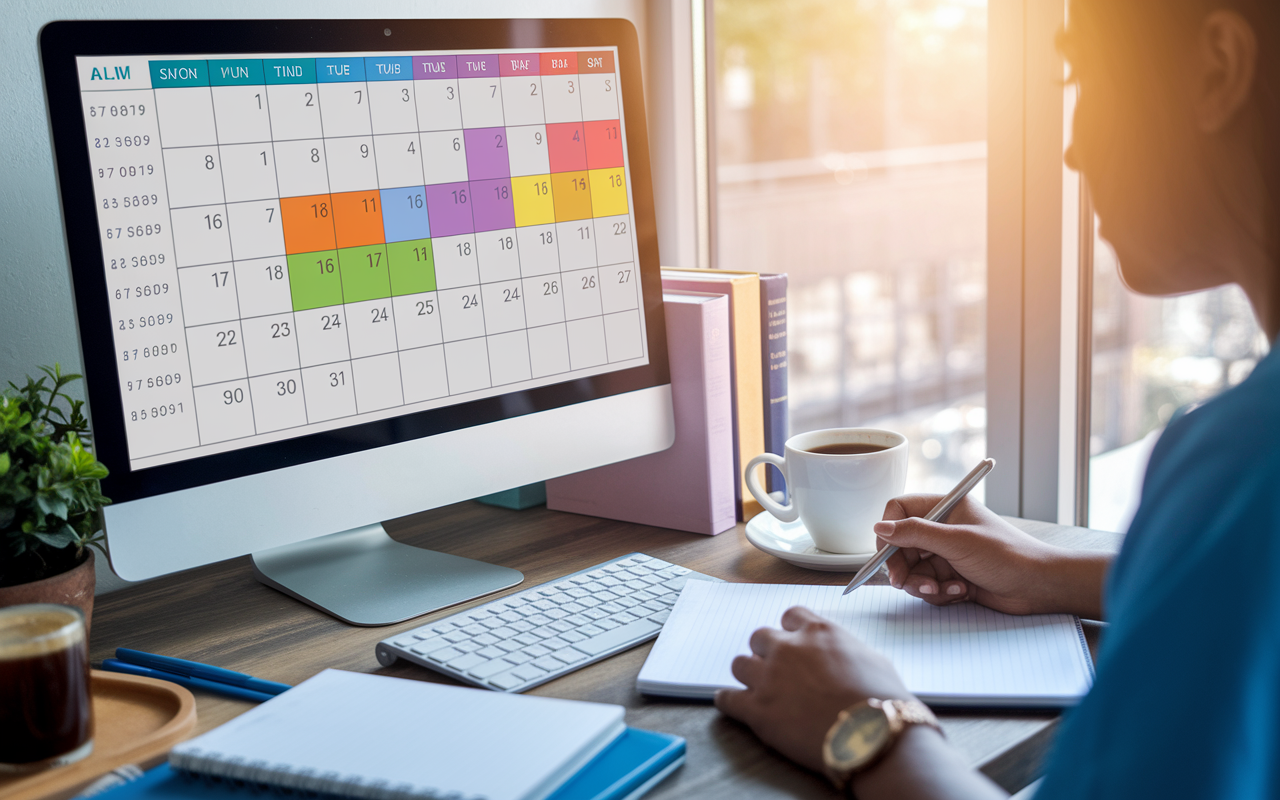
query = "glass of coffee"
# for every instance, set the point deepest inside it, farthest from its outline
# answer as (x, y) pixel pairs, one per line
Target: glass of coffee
(46, 709)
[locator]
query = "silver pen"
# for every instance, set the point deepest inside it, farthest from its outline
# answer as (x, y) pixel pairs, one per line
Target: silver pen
(938, 514)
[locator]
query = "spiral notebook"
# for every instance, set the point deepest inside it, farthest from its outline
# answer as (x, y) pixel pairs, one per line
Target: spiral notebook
(960, 655)
(356, 735)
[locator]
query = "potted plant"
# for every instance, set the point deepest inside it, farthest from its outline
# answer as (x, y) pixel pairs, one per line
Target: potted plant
(50, 497)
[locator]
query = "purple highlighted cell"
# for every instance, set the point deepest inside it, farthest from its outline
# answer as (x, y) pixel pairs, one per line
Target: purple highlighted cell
(426, 68)
(477, 66)
(516, 65)
(487, 153)
(449, 207)
(491, 205)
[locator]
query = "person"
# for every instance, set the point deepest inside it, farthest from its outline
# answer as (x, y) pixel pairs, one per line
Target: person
(1177, 132)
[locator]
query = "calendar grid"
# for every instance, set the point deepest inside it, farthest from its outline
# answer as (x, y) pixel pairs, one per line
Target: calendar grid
(466, 236)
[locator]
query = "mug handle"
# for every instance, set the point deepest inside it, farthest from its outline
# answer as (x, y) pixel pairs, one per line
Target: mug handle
(787, 513)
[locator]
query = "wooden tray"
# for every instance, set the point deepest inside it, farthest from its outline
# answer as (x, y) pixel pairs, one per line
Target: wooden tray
(136, 721)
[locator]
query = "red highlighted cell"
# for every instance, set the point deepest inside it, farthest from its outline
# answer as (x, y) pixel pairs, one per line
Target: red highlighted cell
(566, 146)
(308, 223)
(558, 63)
(604, 144)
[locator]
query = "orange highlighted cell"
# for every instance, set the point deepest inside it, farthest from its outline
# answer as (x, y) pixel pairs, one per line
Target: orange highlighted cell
(357, 218)
(308, 223)
(571, 193)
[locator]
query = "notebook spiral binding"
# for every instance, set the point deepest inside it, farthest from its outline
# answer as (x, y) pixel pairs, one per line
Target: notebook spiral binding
(282, 779)
(1084, 644)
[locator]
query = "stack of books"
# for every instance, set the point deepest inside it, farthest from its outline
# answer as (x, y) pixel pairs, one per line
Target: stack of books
(727, 346)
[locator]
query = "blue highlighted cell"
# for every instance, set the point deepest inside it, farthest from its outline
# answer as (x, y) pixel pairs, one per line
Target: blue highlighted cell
(289, 70)
(404, 214)
(236, 72)
(339, 70)
(388, 68)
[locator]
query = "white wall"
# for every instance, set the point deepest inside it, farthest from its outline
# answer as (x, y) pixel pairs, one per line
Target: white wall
(37, 323)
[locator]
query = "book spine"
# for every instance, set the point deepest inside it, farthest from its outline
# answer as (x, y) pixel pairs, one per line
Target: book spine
(717, 391)
(773, 346)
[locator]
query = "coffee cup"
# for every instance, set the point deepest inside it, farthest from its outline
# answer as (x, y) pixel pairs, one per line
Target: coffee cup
(46, 709)
(839, 481)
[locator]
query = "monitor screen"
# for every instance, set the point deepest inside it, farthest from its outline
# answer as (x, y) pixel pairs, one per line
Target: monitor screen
(297, 240)
(296, 243)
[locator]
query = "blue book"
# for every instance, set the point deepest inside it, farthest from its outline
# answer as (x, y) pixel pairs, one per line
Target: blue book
(773, 344)
(625, 770)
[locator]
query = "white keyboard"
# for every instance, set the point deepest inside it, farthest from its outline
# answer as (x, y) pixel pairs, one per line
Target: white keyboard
(543, 632)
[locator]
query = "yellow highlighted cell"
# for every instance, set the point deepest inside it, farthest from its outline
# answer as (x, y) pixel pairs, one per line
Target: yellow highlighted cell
(533, 203)
(572, 193)
(608, 192)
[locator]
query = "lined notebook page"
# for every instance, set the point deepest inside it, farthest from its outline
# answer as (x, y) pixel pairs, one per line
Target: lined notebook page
(954, 655)
(373, 736)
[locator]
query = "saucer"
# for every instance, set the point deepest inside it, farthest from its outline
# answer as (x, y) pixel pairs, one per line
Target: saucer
(790, 542)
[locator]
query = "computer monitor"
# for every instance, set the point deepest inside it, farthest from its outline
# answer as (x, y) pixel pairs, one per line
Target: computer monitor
(329, 273)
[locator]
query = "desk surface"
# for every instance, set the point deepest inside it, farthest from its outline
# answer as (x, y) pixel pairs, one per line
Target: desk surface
(221, 615)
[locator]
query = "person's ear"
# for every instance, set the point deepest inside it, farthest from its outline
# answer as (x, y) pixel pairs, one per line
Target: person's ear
(1224, 68)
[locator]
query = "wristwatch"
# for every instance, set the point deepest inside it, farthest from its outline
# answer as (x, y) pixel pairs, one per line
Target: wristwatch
(865, 732)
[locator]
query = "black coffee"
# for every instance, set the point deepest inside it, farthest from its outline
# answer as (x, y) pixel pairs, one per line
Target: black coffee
(851, 449)
(45, 706)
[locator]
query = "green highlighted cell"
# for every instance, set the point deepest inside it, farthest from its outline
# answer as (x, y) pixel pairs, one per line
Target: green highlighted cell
(364, 273)
(413, 268)
(314, 280)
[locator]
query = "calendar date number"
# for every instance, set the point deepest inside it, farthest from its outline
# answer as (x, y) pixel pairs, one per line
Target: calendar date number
(148, 321)
(153, 351)
(141, 260)
(134, 231)
(104, 142)
(122, 110)
(131, 201)
(127, 171)
(138, 292)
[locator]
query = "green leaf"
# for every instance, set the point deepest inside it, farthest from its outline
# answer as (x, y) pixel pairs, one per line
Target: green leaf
(5, 463)
(63, 538)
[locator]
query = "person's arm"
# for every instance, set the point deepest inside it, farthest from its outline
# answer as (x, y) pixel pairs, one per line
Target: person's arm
(798, 679)
(976, 555)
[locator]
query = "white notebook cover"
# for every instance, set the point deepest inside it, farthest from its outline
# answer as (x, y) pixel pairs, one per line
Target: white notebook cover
(353, 734)
(961, 655)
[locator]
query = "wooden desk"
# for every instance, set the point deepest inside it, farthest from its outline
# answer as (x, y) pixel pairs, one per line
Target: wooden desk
(220, 615)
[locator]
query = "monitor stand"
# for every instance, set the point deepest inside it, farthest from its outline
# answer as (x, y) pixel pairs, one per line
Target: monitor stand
(364, 577)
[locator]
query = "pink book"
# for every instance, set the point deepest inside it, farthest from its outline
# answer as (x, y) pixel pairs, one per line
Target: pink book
(690, 486)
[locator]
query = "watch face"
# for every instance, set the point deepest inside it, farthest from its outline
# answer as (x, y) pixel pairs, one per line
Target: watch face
(860, 738)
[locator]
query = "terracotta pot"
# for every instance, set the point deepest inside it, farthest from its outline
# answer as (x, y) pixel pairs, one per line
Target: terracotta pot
(72, 588)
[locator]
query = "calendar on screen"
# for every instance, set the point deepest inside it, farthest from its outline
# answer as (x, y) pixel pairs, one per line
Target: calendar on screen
(295, 244)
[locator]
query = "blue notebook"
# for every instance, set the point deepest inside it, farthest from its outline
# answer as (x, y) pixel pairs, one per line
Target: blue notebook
(625, 770)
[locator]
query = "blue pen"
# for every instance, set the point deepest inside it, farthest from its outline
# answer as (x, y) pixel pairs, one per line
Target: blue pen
(195, 669)
(224, 689)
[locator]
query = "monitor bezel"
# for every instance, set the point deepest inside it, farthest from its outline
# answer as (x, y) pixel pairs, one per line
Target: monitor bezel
(61, 42)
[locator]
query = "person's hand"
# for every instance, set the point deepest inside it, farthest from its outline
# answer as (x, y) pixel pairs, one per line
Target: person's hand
(978, 556)
(798, 679)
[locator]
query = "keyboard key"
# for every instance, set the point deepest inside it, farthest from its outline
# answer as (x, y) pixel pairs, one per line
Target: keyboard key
(611, 608)
(578, 620)
(547, 663)
(590, 630)
(536, 651)
(676, 584)
(637, 585)
(661, 616)
(474, 630)
(614, 569)
(427, 645)
(678, 570)
(608, 582)
(529, 671)
(596, 573)
(648, 594)
(491, 652)
(510, 616)
(589, 602)
(653, 606)
(493, 622)
(572, 636)
(507, 680)
(578, 580)
(617, 637)
(554, 643)
(505, 632)
(568, 655)
(507, 645)
(606, 596)
(405, 641)
(446, 655)
(627, 602)
(486, 639)
(560, 626)
(595, 613)
(544, 605)
(654, 580)
(556, 613)
(527, 639)
(489, 668)
(565, 586)
(548, 591)
(538, 619)
(606, 623)
(443, 627)
(518, 657)
(454, 636)
(466, 647)
(522, 626)
(578, 592)
(467, 662)
(573, 608)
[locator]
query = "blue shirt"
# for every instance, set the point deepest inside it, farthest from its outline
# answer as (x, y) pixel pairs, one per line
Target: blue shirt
(1187, 699)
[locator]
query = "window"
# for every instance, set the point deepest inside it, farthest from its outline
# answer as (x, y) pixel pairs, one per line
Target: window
(1154, 358)
(851, 153)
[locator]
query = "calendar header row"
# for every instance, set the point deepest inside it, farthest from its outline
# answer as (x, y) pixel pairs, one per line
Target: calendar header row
(173, 73)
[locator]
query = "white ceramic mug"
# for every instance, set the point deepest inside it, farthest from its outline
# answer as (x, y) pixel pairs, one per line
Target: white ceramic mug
(839, 498)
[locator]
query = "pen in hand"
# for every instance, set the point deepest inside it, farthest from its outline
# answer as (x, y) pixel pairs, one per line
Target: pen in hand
(938, 514)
